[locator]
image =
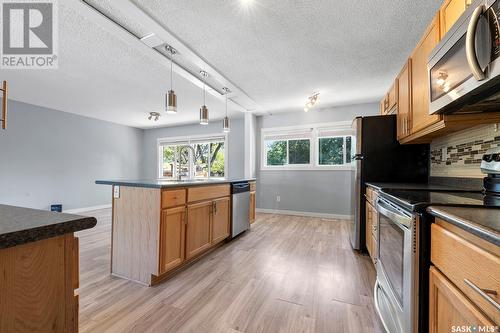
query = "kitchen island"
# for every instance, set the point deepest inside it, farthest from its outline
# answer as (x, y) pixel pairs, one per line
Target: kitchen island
(160, 226)
(39, 269)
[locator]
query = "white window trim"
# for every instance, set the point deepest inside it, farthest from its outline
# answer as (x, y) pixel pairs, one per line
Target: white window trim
(343, 127)
(188, 140)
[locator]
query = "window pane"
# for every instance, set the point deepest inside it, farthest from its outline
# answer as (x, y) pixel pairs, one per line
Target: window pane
(331, 151)
(217, 159)
(276, 152)
(168, 161)
(348, 149)
(201, 160)
(184, 161)
(299, 151)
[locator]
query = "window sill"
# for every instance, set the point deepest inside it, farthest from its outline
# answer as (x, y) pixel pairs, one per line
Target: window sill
(310, 168)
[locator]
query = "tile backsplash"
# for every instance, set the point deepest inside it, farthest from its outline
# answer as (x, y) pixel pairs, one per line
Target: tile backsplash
(459, 154)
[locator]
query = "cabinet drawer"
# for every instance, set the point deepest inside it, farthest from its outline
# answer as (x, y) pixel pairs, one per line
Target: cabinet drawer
(469, 267)
(173, 198)
(208, 192)
(252, 186)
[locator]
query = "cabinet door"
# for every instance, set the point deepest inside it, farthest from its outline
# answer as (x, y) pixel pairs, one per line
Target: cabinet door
(404, 101)
(368, 229)
(420, 117)
(172, 235)
(450, 12)
(252, 207)
(198, 234)
(382, 106)
(449, 308)
(220, 220)
(392, 96)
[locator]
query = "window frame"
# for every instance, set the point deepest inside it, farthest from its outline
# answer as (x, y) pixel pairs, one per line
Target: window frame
(343, 128)
(344, 150)
(190, 140)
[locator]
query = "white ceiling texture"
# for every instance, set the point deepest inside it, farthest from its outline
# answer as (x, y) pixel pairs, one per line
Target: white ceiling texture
(271, 54)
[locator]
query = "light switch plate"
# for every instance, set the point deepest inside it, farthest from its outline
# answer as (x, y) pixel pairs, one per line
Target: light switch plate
(116, 192)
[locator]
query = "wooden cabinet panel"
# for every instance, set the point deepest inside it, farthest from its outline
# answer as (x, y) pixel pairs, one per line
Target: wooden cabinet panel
(450, 12)
(198, 233)
(208, 192)
(252, 207)
(392, 97)
(449, 307)
(173, 198)
(382, 106)
(368, 230)
(421, 118)
(172, 236)
(252, 186)
(460, 260)
(404, 101)
(220, 220)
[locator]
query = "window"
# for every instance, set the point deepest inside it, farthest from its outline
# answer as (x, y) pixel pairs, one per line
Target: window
(334, 150)
(291, 149)
(208, 160)
(311, 148)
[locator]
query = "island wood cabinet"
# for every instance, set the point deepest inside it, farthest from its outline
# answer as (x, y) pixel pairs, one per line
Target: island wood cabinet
(465, 274)
(37, 286)
(158, 230)
(252, 201)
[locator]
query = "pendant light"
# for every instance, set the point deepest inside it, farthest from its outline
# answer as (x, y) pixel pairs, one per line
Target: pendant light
(203, 109)
(225, 122)
(171, 98)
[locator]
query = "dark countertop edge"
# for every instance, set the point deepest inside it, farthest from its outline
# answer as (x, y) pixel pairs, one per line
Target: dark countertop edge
(466, 225)
(183, 184)
(48, 231)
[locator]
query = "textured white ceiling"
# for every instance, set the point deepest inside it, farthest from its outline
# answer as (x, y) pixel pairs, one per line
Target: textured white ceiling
(278, 52)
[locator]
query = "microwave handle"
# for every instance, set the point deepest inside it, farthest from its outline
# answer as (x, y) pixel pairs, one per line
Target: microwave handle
(470, 44)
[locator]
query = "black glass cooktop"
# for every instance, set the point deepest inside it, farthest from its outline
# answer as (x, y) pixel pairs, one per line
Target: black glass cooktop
(416, 200)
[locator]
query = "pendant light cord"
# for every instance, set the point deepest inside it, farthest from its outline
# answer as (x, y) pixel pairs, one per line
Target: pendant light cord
(226, 104)
(204, 92)
(171, 67)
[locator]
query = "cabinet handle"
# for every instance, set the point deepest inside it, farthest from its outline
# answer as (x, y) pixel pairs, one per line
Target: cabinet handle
(214, 207)
(484, 293)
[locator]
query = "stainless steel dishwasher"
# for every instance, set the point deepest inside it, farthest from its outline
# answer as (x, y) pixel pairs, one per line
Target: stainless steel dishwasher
(240, 216)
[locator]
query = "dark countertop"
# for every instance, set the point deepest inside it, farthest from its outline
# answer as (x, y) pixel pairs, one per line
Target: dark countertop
(482, 222)
(162, 183)
(20, 225)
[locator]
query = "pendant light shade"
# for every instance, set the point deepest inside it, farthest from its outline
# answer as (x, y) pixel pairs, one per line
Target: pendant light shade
(225, 122)
(171, 98)
(203, 115)
(204, 109)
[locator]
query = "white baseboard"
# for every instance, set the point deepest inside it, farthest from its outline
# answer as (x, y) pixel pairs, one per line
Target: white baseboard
(86, 209)
(310, 214)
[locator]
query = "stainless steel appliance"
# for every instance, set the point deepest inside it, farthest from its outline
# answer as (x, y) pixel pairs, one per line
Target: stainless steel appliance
(396, 288)
(378, 157)
(490, 165)
(464, 68)
(240, 215)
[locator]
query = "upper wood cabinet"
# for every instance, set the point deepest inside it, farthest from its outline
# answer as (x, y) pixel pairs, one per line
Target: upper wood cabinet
(450, 12)
(198, 228)
(172, 236)
(389, 102)
(220, 219)
(420, 79)
(404, 101)
(449, 307)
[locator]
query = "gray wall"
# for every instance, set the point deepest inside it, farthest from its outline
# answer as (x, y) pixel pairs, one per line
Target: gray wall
(236, 145)
(324, 191)
(48, 156)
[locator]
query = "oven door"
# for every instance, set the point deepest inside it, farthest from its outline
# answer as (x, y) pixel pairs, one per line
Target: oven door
(464, 69)
(395, 267)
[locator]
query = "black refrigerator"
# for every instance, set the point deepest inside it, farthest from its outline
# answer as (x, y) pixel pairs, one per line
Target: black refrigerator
(378, 157)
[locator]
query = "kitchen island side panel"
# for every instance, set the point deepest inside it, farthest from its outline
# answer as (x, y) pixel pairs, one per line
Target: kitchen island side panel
(135, 235)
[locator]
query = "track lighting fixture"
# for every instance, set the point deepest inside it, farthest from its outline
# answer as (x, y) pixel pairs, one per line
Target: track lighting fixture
(312, 101)
(154, 116)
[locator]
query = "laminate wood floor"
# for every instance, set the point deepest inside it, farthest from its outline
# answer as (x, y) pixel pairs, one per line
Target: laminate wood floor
(287, 274)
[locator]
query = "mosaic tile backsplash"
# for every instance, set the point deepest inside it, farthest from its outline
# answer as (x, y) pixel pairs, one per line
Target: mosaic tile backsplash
(459, 154)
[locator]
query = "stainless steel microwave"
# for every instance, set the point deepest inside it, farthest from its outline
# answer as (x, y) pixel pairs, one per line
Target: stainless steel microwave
(464, 68)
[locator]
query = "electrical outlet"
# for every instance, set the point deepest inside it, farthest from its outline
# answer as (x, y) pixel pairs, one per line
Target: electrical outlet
(116, 192)
(278, 198)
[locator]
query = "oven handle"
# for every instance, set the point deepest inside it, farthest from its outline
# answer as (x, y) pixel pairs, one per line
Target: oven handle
(395, 216)
(377, 307)
(470, 44)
